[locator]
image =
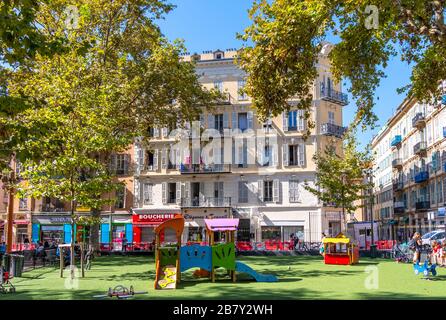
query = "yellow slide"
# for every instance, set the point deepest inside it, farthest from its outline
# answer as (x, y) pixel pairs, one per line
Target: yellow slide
(166, 277)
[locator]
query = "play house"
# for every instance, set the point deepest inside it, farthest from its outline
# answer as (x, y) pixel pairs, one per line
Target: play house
(340, 250)
(173, 259)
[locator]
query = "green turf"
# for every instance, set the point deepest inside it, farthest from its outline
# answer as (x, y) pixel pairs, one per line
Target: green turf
(299, 278)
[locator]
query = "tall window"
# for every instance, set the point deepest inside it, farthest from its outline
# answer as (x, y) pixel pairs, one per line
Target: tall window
(120, 198)
(267, 191)
(242, 192)
(243, 121)
(218, 122)
(439, 192)
(294, 190)
(171, 192)
(121, 164)
(292, 120)
(331, 117)
(147, 193)
(23, 203)
(267, 155)
(241, 95)
(218, 85)
(294, 155)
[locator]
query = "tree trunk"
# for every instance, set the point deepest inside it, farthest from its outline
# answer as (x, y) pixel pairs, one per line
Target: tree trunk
(72, 262)
(94, 232)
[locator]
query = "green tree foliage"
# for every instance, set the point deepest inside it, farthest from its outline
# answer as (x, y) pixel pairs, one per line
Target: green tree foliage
(118, 77)
(287, 36)
(340, 176)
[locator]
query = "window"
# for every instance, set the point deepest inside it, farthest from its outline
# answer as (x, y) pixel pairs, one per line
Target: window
(243, 121)
(121, 164)
(120, 198)
(267, 191)
(218, 122)
(331, 117)
(271, 233)
(267, 156)
(23, 203)
(439, 192)
(150, 158)
(293, 155)
(294, 190)
(147, 194)
(218, 85)
(292, 120)
(242, 192)
(171, 192)
(241, 95)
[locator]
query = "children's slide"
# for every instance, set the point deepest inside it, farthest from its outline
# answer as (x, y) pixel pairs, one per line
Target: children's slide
(241, 267)
(166, 277)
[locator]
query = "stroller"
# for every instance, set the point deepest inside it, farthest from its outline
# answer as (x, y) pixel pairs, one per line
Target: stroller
(402, 253)
(5, 283)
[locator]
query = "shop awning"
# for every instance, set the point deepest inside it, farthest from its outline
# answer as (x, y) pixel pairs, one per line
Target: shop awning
(191, 224)
(222, 224)
(21, 221)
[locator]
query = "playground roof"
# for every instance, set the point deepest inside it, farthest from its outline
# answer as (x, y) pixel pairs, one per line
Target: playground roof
(221, 224)
(340, 238)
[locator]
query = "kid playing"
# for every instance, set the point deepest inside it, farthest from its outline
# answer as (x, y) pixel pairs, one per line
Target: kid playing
(435, 256)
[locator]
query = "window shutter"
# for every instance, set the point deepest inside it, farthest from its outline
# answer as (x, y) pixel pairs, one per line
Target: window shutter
(301, 155)
(216, 155)
(187, 193)
(211, 121)
(164, 192)
(225, 120)
(250, 117)
(300, 120)
(178, 193)
(260, 190)
(165, 132)
(276, 190)
(285, 157)
(146, 194)
(275, 154)
(113, 163)
(285, 121)
(164, 159)
(156, 132)
(126, 163)
(260, 151)
(234, 120)
(141, 159)
(155, 160)
(178, 157)
(201, 191)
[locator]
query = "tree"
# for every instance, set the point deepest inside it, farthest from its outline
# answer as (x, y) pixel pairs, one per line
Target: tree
(119, 77)
(340, 177)
(288, 35)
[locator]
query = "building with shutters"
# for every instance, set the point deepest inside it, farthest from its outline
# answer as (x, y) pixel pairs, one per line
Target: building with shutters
(261, 180)
(410, 170)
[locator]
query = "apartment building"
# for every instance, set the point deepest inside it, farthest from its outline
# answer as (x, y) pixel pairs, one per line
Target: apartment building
(49, 219)
(410, 170)
(267, 194)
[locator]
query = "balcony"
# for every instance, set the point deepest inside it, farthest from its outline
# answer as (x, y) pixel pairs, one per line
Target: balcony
(419, 120)
(330, 129)
(421, 177)
(202, 168)
(420, 148)
(397, 163)
(206, 202)
(334, 96)
(397, 186)
(399, 207)
(422, 205)
(396, 142)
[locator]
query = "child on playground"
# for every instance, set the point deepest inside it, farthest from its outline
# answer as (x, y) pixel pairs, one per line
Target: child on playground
(436, 251)
(443, 254)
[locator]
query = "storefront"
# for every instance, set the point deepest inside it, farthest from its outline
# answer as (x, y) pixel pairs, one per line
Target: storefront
(51, 229)
(115, 227)
(145, 222)
(279, 226)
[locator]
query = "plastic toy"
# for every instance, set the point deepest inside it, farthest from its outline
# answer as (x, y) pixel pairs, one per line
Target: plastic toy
(425, 269)
(172, 260)
(120, 292)
(5, 283)
(340, 250)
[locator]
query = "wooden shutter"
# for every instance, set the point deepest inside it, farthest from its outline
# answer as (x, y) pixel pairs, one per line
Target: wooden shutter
(285, 157)
(164, 159)
(300, 120)
(276, 190)
(250, 119)
(126, 163)
(225, 120)
(285, 121)
(234, 120)
(155, 160)
(301, 154)
(187, 196)
(260, 190)
(275, 154)
(141, 159)
(178, 193)
(164, 192)
(156, 132)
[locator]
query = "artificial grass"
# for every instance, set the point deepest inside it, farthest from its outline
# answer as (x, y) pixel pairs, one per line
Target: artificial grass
(300, 277)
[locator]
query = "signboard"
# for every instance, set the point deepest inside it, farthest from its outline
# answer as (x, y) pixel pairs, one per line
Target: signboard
(83, 209)
(60, 220)
(152, 219)
(191, 217)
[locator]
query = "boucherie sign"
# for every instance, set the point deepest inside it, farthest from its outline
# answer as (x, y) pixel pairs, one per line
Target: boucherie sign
(152, 218)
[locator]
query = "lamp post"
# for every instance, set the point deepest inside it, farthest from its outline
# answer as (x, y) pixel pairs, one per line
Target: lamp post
(369, 179)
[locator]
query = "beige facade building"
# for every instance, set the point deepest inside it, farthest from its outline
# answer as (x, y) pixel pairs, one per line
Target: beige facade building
(410, 170)
(259, 180)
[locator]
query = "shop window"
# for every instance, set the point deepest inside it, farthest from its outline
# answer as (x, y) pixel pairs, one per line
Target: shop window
(147, 235)
(271, 233)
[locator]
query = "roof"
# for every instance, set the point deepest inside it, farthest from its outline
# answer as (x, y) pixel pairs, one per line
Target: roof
(340, 238)
(221, 224)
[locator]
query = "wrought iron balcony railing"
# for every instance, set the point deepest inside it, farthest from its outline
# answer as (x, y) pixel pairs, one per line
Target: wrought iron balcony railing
(422, 205)
(330, 129)
(421, 176)
(206, 202)
(202, 168)
(397, 163)
(334, 96)
(419, 120)
(420, 147)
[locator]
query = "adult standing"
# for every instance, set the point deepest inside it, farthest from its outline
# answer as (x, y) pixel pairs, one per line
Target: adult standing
(417, 245)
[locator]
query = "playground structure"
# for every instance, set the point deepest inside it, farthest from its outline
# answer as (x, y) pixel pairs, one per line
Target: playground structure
(172, 260)
(340, 250)
(425, 269)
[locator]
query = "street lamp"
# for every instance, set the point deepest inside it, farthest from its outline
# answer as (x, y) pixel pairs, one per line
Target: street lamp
(369, 179)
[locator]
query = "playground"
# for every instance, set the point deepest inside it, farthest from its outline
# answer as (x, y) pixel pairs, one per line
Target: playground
(300, 277)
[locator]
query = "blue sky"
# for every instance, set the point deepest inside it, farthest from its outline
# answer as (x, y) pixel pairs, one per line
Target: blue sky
(210, 25)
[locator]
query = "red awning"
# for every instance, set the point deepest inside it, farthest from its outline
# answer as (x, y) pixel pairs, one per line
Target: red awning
(21, 222)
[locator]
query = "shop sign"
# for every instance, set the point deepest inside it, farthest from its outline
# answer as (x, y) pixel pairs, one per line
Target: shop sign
(59, 220)
(152, 218)
(191, 217)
